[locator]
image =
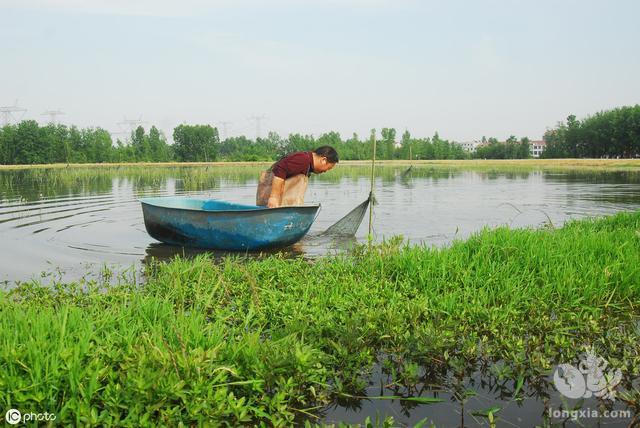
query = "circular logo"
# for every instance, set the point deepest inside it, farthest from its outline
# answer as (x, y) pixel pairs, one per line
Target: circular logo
(13, 416)
(569, 381)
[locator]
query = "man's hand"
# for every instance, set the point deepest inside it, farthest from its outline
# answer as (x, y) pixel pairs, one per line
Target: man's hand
(277, 189)
(273, 203)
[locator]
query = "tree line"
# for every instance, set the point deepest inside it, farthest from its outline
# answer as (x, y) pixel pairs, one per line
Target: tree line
(512, 148)
(607, 134)
(614, 133)
(30, 143)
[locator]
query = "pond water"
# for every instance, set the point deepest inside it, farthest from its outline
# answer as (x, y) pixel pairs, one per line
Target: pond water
(466, 399)
(68, 223)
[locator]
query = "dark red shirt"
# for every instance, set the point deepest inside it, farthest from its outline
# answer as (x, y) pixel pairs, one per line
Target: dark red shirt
(293, 164)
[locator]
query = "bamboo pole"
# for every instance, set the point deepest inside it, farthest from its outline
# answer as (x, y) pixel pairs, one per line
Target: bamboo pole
(371, 193)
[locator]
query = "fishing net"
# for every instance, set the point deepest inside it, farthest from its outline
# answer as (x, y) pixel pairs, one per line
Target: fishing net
(349, 224)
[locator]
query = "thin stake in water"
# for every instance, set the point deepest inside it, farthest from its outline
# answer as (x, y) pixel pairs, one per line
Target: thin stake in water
(371, 193)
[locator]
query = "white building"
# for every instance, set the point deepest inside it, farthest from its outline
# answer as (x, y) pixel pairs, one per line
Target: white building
(537, 147)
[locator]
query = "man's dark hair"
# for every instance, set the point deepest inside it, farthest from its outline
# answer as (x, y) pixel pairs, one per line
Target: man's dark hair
(327, 152)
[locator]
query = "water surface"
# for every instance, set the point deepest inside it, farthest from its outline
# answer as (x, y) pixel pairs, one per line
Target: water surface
(73, 221)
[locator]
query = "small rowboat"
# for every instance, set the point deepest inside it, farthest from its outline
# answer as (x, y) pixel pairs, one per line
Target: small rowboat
(221, 225)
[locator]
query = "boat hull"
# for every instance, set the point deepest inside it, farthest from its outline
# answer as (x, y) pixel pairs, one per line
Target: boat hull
(222, 225)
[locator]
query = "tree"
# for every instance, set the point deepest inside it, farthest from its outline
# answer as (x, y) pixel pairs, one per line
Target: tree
(387, 147)
(7, 145)
(524, 151)
(440, 147)
(613, 133)
(140, 145)
(297, 143)
(160, 151)
(26, 144)
(99, 145)
(195, 143)
(407, 150)
(78, 146)
(59, 145)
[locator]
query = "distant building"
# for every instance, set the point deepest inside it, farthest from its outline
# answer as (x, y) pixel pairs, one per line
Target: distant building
(469, 146)
(537, 147)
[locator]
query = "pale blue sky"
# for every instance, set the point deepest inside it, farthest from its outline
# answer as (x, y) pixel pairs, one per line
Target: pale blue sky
(462, 68)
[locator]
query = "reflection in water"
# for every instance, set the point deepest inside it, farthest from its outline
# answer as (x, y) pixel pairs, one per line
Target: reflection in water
(312, 245)
(70, 217)
(158, 251)
(464, 398)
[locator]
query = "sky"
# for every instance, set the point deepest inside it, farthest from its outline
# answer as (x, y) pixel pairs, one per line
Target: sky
(464, 69)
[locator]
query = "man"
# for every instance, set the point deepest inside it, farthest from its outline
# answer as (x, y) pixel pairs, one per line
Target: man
(285, 183)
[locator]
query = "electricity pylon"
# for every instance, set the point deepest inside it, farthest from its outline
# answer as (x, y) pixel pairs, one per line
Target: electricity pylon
(7, 112)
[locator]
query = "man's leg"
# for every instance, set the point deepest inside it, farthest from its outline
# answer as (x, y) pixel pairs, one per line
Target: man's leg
(294, 190)
(264, 188)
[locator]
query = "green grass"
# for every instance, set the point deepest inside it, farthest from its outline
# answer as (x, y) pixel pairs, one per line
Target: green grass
(271, 341)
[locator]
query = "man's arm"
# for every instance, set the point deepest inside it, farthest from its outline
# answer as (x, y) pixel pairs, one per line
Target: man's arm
(277, 188)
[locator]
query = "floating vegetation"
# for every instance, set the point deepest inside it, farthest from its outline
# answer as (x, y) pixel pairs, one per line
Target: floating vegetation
(274, 341)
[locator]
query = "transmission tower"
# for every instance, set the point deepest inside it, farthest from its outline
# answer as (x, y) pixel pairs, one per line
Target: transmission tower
(52, 115)
(7, 112)
(258, 120)
(132, 124)
(225, 129)
(114, 133)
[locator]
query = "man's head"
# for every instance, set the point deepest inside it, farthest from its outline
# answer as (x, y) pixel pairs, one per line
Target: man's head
(325, 158)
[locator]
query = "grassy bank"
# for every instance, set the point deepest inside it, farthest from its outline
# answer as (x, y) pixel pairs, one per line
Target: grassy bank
(271, 341)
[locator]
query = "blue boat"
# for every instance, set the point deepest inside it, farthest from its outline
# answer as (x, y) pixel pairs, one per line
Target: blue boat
(221, 225)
